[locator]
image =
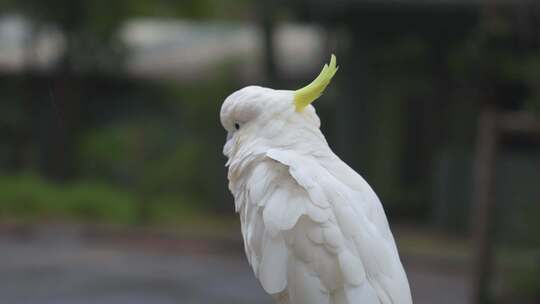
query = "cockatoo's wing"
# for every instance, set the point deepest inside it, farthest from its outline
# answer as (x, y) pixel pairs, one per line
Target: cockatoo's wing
(315, 233)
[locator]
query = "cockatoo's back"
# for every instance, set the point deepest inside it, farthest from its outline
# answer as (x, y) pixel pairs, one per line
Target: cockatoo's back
(311, 238)
(313, 229)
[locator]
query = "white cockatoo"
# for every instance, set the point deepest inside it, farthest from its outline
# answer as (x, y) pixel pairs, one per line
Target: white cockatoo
(314, 231)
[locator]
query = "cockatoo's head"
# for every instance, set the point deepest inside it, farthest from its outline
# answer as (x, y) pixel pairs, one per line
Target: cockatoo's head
(257, 113)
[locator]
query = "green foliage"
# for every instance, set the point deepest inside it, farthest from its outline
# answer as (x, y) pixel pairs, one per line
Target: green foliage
(171, 150)
(493, 60)
(525, 280)
(191, 8)
(528, 70)
(28, 197)
(402, 78)
(521, 274)
(142, 155)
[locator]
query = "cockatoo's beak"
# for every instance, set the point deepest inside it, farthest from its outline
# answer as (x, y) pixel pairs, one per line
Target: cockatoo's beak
(306, 95)
(228, 147)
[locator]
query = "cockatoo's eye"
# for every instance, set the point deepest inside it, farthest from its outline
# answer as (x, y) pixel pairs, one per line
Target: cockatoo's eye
(237, 126)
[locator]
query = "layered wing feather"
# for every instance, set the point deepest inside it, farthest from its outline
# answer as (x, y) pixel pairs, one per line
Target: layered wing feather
(317, 234)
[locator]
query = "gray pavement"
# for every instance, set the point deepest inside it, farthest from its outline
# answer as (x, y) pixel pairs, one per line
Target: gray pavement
(58, 270)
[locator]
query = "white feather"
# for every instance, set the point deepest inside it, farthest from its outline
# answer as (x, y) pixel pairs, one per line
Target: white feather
(273, 267)
(303, 287)
(314, 231)
(331, 255)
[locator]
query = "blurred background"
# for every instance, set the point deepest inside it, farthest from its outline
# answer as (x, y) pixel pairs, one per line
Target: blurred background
(112, 182)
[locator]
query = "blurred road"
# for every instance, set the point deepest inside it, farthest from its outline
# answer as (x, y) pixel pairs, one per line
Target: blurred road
(53, 269)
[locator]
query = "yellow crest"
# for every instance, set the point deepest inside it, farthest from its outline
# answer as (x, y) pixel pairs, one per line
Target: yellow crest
(306, 95)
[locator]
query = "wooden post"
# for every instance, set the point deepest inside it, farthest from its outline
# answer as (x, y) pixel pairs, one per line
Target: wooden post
(266, 17)
(483, 200)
